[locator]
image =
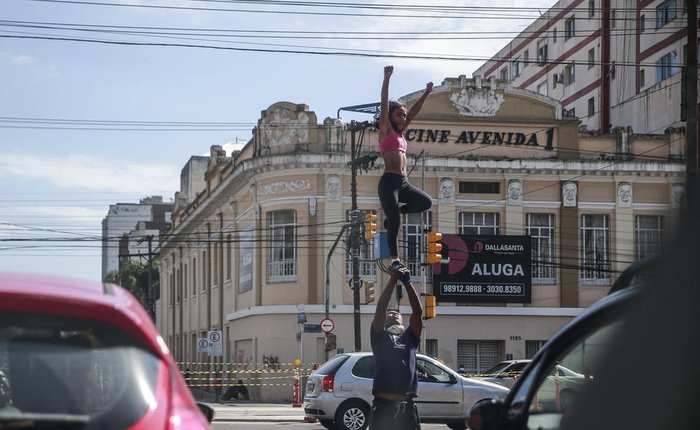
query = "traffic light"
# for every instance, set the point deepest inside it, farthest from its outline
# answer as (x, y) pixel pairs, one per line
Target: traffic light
(370, 225)
(369, 292)
(434, 247)
(330, 342)
(430, 307)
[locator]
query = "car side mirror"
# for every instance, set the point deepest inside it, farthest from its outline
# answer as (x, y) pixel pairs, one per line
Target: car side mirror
(453, 379)
(487, 414)
(207, 410)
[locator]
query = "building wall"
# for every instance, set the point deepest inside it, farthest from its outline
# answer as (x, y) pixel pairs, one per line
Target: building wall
(219, 269)
(123, 218)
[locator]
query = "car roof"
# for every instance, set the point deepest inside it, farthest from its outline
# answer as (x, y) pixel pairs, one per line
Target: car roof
(365, 353)
(79, 298)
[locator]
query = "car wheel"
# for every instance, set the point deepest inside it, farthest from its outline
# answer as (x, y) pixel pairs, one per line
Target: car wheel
(329, 424)
(352, 415)
(567, 398)
(457, 425)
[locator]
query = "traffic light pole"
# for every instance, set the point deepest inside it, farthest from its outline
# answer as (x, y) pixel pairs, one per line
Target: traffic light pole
(328, 283)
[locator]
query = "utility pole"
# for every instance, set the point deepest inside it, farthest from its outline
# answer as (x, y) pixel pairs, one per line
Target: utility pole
(355, 222)
(691, 109)
(371, 108)
(355, 239)
(151, 293)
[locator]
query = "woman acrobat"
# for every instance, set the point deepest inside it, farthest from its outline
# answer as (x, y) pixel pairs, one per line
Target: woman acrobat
(393, 187)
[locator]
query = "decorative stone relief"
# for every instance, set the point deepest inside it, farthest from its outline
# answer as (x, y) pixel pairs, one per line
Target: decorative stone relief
(284, 187)
(285, 128)
(447, 191)
(677, 195)
(312, 206)
(333, 188)
(624, 195)
(478, 102)
(515, 193)
(568, 194)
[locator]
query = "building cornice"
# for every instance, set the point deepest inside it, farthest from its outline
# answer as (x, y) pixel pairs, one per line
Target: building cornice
(276, 310)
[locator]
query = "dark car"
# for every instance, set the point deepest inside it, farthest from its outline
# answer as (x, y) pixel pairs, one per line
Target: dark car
(85, 355)
(540, 399)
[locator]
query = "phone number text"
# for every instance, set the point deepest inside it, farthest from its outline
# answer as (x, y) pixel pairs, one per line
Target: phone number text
(482, 289)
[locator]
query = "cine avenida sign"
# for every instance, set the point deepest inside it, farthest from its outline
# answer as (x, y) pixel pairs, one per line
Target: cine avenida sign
(484, 269)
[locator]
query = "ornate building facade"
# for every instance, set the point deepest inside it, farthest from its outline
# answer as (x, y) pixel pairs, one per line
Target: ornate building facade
(251, 252)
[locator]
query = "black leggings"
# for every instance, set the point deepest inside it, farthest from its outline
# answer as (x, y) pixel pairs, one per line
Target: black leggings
(392, 415)
(394, 189)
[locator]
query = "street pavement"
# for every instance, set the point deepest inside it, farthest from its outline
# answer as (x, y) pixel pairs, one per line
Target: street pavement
(244, 410)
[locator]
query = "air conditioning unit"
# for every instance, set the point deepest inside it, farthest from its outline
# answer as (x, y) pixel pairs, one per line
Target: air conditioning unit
(558, 78)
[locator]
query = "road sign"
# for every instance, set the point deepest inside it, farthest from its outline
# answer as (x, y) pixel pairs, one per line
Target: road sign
(327, 325)
(312, 328)
(215, 343)
(203, 344)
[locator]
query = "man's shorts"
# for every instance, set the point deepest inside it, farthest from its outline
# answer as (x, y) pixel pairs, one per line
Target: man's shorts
(390, 414)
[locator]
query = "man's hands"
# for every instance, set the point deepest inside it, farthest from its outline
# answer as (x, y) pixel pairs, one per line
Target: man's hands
(404, 275)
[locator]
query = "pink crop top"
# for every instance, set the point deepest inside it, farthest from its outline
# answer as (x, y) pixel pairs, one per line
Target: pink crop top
(392, 142)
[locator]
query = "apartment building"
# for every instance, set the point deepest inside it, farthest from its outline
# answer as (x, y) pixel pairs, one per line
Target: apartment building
(126, 227)
(611, 63)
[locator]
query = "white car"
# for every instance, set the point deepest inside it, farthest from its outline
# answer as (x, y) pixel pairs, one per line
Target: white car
(504, 373)
(563, 381)
(339, 393)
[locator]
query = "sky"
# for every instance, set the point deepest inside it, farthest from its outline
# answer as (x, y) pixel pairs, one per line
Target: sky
(104, 101)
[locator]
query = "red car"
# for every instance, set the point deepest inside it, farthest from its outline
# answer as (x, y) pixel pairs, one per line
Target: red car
(78, 354)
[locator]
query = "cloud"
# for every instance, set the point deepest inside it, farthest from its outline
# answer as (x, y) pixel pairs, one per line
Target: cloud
(91, 173)
(15, 59)
(229, 147)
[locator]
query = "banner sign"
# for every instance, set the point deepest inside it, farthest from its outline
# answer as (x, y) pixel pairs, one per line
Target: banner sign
(245, 261)
(484, 269)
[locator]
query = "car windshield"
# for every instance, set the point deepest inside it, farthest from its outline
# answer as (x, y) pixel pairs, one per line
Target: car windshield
(65, 371)
(497, 369)
(559, 391)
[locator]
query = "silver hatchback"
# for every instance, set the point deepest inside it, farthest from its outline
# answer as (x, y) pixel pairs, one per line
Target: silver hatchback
(339, 393)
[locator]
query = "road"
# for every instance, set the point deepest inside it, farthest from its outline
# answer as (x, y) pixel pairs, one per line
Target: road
(248, 415)
(293, 426)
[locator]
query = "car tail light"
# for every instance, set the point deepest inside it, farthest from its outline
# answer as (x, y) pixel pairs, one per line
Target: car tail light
(327, 383)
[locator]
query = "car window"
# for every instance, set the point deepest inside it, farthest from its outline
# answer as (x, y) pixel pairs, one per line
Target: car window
(431, 372)
(364, 367)
(56, 365)
(559, 391)
(331, 366)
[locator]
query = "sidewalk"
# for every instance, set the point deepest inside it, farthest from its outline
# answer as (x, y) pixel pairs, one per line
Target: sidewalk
(244, 410)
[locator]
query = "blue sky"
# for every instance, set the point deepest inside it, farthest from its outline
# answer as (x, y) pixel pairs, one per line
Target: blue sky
(97, 105)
